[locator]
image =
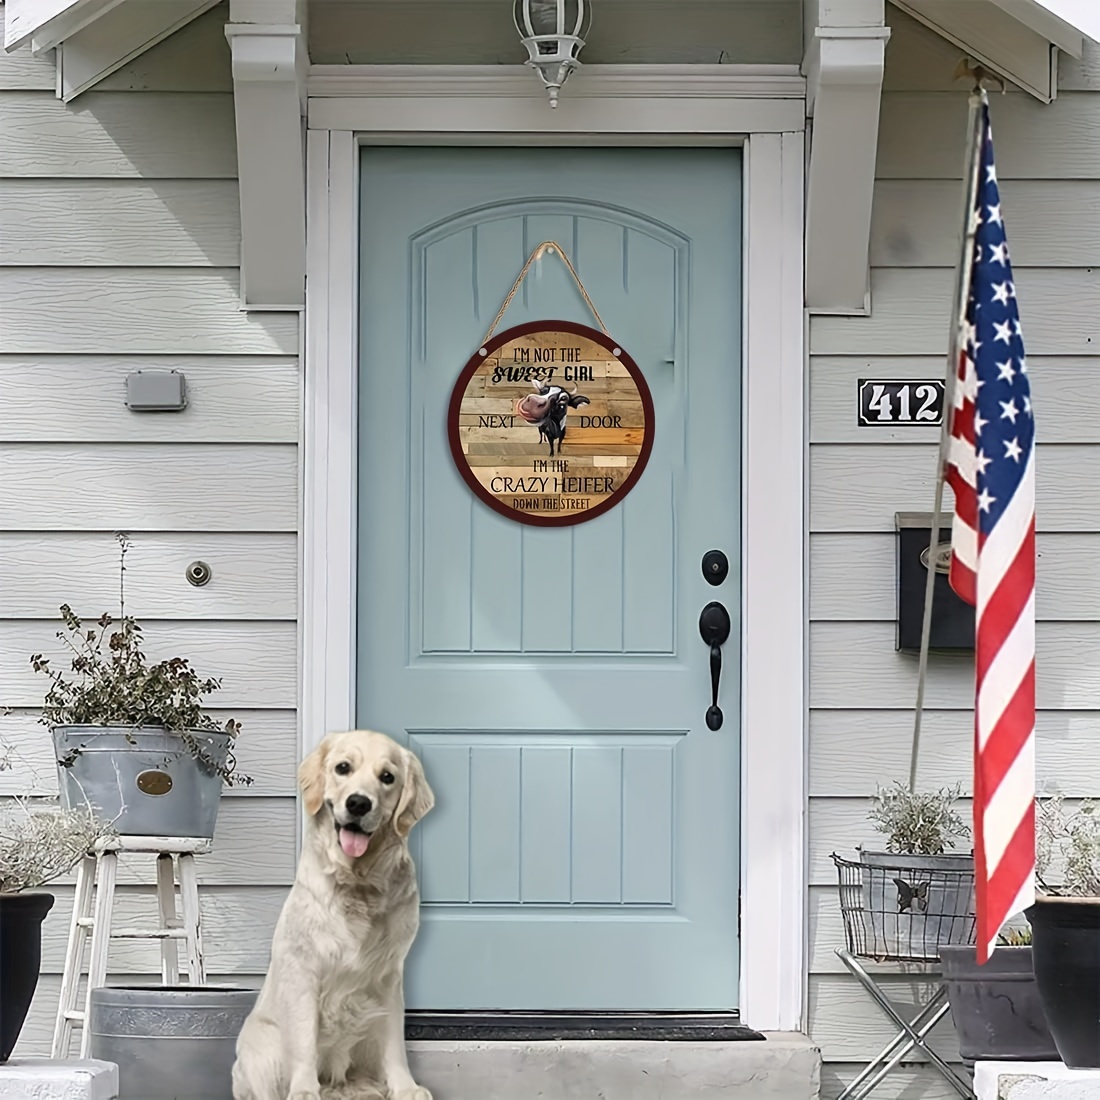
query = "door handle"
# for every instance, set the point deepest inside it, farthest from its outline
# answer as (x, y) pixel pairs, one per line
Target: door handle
(714, 628)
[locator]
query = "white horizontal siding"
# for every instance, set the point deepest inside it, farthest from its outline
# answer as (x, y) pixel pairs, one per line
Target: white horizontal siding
(256, 662)
(856, 487)
(1061, 386)
(253, 575)
(149, 487)
(854, 665)
(82, 399)
(921, 136)
(119, 251)
(1053, 223)
(911, 310)
(854, 577)
(862, 691)
(852, 750)
(156, 135)
(120, 223)
(136, 311)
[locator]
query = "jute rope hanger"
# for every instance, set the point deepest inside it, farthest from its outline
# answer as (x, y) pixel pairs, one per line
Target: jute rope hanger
(553, 248)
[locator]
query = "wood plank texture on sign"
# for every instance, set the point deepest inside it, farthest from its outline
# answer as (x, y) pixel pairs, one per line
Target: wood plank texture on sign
(120, 223)
(505, 450)
(149, 487)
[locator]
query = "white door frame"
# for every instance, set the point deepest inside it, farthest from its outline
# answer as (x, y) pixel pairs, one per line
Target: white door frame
(759, 107)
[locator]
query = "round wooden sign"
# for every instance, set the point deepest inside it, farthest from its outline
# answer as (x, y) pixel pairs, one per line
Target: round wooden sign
(551, 423)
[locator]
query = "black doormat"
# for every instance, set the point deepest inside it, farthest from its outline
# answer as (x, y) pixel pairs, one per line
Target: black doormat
(696, 1027)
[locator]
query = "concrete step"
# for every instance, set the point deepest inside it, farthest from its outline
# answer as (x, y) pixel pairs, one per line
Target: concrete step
(68, 1079)
(1034, 1081)
(786, 1066)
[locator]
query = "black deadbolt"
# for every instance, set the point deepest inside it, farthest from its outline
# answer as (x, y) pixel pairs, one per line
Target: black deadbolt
(716, 566)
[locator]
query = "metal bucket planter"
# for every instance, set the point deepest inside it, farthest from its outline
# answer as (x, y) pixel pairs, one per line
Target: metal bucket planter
(996, 1008)
(906, 906)
(170, 1042)
(144, 781)
(1065, 943)
(21, 917)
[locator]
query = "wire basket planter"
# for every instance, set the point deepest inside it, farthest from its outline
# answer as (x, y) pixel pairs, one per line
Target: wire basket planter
(903, 908)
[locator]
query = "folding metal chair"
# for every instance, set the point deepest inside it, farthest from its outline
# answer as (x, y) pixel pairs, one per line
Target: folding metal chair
(897, 910)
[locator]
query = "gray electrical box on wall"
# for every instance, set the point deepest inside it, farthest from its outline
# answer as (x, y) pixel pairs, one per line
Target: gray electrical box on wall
(952, 617)
(156, 391)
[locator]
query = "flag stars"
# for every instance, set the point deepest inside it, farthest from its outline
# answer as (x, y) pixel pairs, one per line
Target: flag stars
(1004, 331)
(999, 253)
(979, 423)
(995, 214)
(1013, 450)
(1027, 405)
(981, 461)
(1006, 372)
(1009, 410)
(985, 500)
(990, 173)
(1001, 292)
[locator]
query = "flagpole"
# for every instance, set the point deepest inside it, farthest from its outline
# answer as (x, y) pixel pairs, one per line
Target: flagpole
(963, 270)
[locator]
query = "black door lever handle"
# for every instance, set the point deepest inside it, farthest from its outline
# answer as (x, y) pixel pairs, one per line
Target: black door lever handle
(714, 628)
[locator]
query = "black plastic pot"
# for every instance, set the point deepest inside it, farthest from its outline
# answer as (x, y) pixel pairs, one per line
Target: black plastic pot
(996, 1008)
(21, 917)
(1065, 935)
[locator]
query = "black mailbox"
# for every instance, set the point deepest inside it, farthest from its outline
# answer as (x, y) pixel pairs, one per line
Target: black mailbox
(952, 617)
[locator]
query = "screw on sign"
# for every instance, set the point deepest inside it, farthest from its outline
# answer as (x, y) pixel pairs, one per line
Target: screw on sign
(551, 423)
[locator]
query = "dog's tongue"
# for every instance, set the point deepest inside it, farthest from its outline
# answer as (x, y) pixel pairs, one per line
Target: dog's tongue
(353, 843)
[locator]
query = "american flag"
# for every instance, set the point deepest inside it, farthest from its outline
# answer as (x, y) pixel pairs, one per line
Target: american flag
(991, 468)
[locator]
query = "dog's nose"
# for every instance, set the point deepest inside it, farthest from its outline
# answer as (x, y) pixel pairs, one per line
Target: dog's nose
(358, 805)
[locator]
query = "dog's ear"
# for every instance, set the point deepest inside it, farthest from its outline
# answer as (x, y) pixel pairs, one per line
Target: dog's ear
(311, 777)
(416, 797)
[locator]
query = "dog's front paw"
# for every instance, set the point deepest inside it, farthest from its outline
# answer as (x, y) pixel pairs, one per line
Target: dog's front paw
(417, 1092)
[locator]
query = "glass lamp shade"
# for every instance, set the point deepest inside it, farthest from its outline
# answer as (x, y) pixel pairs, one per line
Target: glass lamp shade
(553, 32)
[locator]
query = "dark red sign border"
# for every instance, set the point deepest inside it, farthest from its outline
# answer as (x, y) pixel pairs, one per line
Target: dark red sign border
(455, 406)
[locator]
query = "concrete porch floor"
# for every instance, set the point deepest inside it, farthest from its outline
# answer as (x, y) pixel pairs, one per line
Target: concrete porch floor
(787, 1066)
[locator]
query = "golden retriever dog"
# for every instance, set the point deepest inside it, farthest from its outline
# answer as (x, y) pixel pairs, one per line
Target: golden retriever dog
(330, 1019)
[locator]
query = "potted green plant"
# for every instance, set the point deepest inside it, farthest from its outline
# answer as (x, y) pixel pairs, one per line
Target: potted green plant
(1065, 927)
(916, 894)
(131, 736)
(38, 843)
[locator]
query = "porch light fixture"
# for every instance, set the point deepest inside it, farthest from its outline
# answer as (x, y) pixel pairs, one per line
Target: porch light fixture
(553, 32)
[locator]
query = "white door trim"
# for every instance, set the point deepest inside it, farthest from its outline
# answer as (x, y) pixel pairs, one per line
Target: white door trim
(773, 644)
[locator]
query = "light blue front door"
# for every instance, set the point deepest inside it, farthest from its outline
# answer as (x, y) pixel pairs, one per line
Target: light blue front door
(583, 853)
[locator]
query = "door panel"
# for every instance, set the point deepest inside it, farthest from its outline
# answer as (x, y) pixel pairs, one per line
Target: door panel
(583, 853)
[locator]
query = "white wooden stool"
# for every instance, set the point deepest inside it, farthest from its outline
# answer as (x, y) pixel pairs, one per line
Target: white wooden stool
(99, 868)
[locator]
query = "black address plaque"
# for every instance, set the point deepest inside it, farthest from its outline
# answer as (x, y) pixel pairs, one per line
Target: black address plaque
(908, 402)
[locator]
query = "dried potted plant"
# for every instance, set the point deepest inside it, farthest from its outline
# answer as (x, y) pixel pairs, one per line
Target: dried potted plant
(131, 736)
(917, 894)
(38, 843)
(1065, 927)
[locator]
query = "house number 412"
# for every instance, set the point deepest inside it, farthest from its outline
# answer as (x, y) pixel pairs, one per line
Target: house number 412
(915, 402)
